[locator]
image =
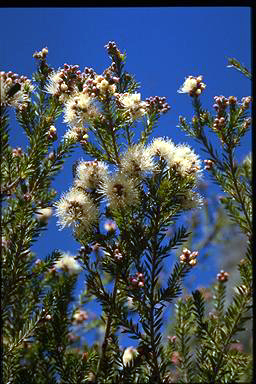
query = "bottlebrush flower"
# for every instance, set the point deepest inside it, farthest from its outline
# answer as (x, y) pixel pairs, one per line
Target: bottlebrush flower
(68, 263)
(14, 89)
(132, 104)
(120, 191)
(79, 109)
(137, 160)
(164, 148)
(184, 161)
(76, 208)
(90, 174)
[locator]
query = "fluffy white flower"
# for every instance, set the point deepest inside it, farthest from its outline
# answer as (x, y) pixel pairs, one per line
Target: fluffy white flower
(14, 89)
(132, 103)
(164, 148)
(189, 85)
(129, 355)
(120, 191)
(75, 207)
(79, 109)
(68, 263)
(192, 85)
(54, 82)
(185, 161)
(76, 133)
(90, 174)
(137, 160)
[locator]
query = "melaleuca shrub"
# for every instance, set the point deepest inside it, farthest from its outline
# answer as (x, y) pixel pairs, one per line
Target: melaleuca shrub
(119, 208)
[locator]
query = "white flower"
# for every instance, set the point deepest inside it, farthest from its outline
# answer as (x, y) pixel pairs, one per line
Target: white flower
(75, 207)
(164, 148)
(76, 133)
(192, 85)
(68, 263)
(184, 161)
(189, 85)
(120, 191)
(129, 355)
(54, 82)
(90, 174)
(137, 160)
(79, 109)
(132, 103)
(14, 89)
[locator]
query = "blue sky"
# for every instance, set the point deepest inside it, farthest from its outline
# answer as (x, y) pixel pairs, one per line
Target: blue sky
(163, 46)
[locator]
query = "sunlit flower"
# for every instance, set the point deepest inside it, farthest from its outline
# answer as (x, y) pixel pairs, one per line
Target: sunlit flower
(90, 174)
(192, 85)
(222, 276)
(54, 83)
(129, 355)
(68, 263)
(79, 109)
(188, 257)
(120, 191)
(164, 148)
(110, 226)
(14, 89)
(131, 102)
(76, 133)
(103, 85)
(137, 160)
(184, 160)
(75, 207)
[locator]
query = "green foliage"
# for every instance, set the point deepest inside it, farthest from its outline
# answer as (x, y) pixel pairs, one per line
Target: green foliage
(123, 262)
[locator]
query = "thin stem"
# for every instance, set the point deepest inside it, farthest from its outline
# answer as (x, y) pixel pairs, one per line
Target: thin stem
(107, 335)
(157, 376)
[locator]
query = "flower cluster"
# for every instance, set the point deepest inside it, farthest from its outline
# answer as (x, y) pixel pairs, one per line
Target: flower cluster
(41, 55)
(79, 109)
(188, 257)
(68, 263)
(132, 105)
(117, 254)
(14, 89)
(76, 208)
(137, 160)
(180, 158)
(99, 86)
(120, 191)
(65, 81)
(157, 104)
(90, 174)
(137, 281)
(222, 276)
(193, 85)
